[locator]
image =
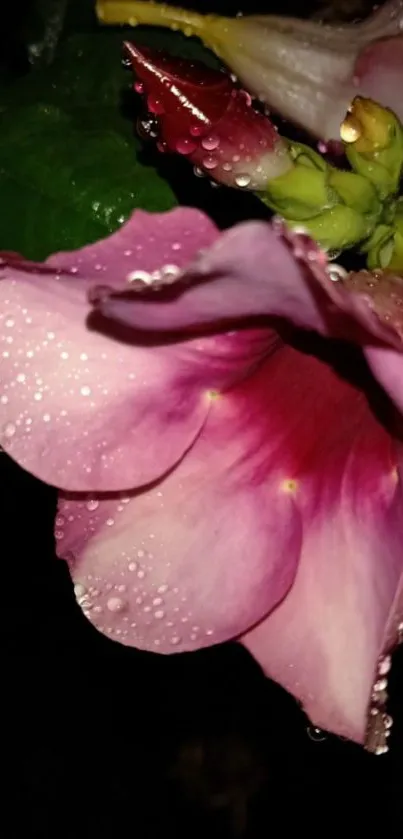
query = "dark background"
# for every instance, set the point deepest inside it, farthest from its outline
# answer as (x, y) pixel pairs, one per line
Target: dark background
(101, 740)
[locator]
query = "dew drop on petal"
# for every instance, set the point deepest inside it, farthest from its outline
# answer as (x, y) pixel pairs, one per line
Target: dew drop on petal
(195, 130)
(155, 105)
(115, 604)
(242, 180)
(210, 163)
(175, 640)
(315, 734)
(185, 146)
(210, 143)
(92, 504)
(9, 430)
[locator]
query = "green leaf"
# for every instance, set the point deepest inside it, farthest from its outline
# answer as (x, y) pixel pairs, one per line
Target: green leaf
(64, 185)
(71, 168)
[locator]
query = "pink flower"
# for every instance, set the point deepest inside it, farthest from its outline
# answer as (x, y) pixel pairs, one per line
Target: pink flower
(216, 480)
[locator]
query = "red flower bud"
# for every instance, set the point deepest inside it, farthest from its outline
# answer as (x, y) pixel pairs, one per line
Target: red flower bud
(203, 115)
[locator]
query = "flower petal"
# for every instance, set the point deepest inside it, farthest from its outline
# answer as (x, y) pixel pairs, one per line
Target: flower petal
(204, 553)
(213, 547)
(254, 269)
(379, 72)
(92, 411)
(325, 643)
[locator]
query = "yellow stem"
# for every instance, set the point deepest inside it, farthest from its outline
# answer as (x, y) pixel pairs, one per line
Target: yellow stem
(215, 31)
(136, 12)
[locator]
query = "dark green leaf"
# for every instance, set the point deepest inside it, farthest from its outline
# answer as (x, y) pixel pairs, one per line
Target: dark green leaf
(63, 184)
(71, 169)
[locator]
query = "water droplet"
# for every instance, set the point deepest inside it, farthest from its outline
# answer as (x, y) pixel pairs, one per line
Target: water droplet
(210, 162)
(242, 180)
(92, 504)
(59, 535)
(246, 96)
(115, 604)
(315, 734)
(384, 665)
(175, 640)
(210, 143)
(132, 566)
(38, 396)
(9, 430)
(147, 127)
(336, 273)
(155, 105)
(227, 167)
(110, 522)
(185, 146)
(141, 574)
(162, 589)
(157, 601)
(198, 172)
(79, 590)
(139, 277)
(169, 273)
(138, 86)
(195, 130)
(85, 390)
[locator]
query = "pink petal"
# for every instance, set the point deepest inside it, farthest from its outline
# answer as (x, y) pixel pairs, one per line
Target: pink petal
(213, 547)
(253, 269)
(379, 72)
(204, 553)
(91, 411)
(257, 269)
(287, 279)
(326, 642)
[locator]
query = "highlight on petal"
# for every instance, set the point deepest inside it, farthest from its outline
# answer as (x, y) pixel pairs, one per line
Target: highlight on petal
(202, 115)
(306, 71)
(87, 410)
